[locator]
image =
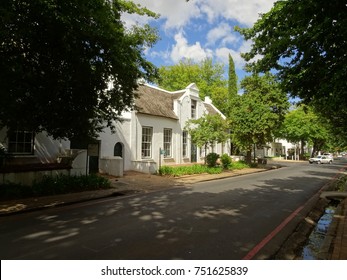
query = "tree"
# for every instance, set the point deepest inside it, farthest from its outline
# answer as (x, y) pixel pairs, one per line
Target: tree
(305, 43)
(207, 130)
(232, 83)
(58, 58)
(207, 76)
(232, 94)
(304, 126)
(259, 112)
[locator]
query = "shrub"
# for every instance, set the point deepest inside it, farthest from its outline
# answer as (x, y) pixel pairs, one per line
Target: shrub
(214, 170)
(226, 161)
(176, 171)
(53, 185)
(238, 165)
(306, 156)
(165, 170)
(211, 159)
(13, 190)
(50, 185)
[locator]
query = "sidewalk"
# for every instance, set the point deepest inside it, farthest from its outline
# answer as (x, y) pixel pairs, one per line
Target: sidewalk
(135, 183)
(338, 233)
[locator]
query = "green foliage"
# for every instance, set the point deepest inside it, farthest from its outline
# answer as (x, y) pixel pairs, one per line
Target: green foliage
(303, 125)
(208, 129)
(226, 161)
(259, 111)
(211, 159)
(237, 165)
(232, 83)
(341, 184)
(177, 171)
(305, 42)
(306, 156)
(207, 76)
(58, 58)
(53, 185)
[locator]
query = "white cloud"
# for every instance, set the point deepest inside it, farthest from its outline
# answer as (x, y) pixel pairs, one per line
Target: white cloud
(222, 54)
(184, 19)
(182, 50)
(175, 13)
(223, 33)
(178, 13)
(245, 12)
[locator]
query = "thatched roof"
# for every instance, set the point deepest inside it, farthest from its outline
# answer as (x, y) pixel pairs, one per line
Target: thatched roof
(210, 109)
(155, 102)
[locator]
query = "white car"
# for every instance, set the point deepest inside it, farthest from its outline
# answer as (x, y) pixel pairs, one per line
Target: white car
(328, 155)
(321, 159)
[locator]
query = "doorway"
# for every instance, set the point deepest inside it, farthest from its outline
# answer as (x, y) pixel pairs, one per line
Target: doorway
(193, 153)
(118, 150)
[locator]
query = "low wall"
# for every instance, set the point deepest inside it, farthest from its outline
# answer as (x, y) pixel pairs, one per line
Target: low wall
(111, 166)
(79, 163)
(145, 166)
(26, 175)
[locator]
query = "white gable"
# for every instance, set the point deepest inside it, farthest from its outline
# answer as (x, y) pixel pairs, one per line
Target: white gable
(192, 90)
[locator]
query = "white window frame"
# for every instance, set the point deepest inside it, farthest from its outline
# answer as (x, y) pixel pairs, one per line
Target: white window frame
(21, 142)
(194, 105)
(167, 141)
(185, 144)
(146, 142)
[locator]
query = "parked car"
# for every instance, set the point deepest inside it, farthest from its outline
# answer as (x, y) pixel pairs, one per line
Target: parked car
(321, 159)
(328, 155)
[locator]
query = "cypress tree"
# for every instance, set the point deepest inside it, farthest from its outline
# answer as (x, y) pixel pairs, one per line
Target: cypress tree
(232, 84)
(232, 94)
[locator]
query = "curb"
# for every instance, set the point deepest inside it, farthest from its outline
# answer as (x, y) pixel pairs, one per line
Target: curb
(64, 203)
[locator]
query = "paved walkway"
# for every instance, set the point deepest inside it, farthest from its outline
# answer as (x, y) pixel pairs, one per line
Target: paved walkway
(338, 233)
(135, 182)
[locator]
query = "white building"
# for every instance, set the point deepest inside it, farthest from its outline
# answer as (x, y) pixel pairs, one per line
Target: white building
(153, 134)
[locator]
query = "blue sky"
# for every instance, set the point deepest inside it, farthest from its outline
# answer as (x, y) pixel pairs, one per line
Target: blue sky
(200, 28)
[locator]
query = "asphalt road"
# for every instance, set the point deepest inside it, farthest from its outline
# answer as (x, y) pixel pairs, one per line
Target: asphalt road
(246, 217)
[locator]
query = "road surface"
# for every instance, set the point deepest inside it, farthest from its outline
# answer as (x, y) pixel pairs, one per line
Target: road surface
(246, 217)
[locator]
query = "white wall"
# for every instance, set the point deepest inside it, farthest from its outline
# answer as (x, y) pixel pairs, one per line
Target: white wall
(158, 124)
(46, 149)
(108, 140)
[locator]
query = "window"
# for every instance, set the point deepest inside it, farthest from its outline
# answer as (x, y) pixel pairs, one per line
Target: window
(167, 142)
(193, 109)
(184, 143)
(146, 149)
(21, 142)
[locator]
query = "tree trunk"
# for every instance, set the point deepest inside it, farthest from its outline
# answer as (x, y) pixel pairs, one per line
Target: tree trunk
(302, 151)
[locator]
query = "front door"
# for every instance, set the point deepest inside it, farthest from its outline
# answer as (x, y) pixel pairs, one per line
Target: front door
(93, 157)
(193, 153)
